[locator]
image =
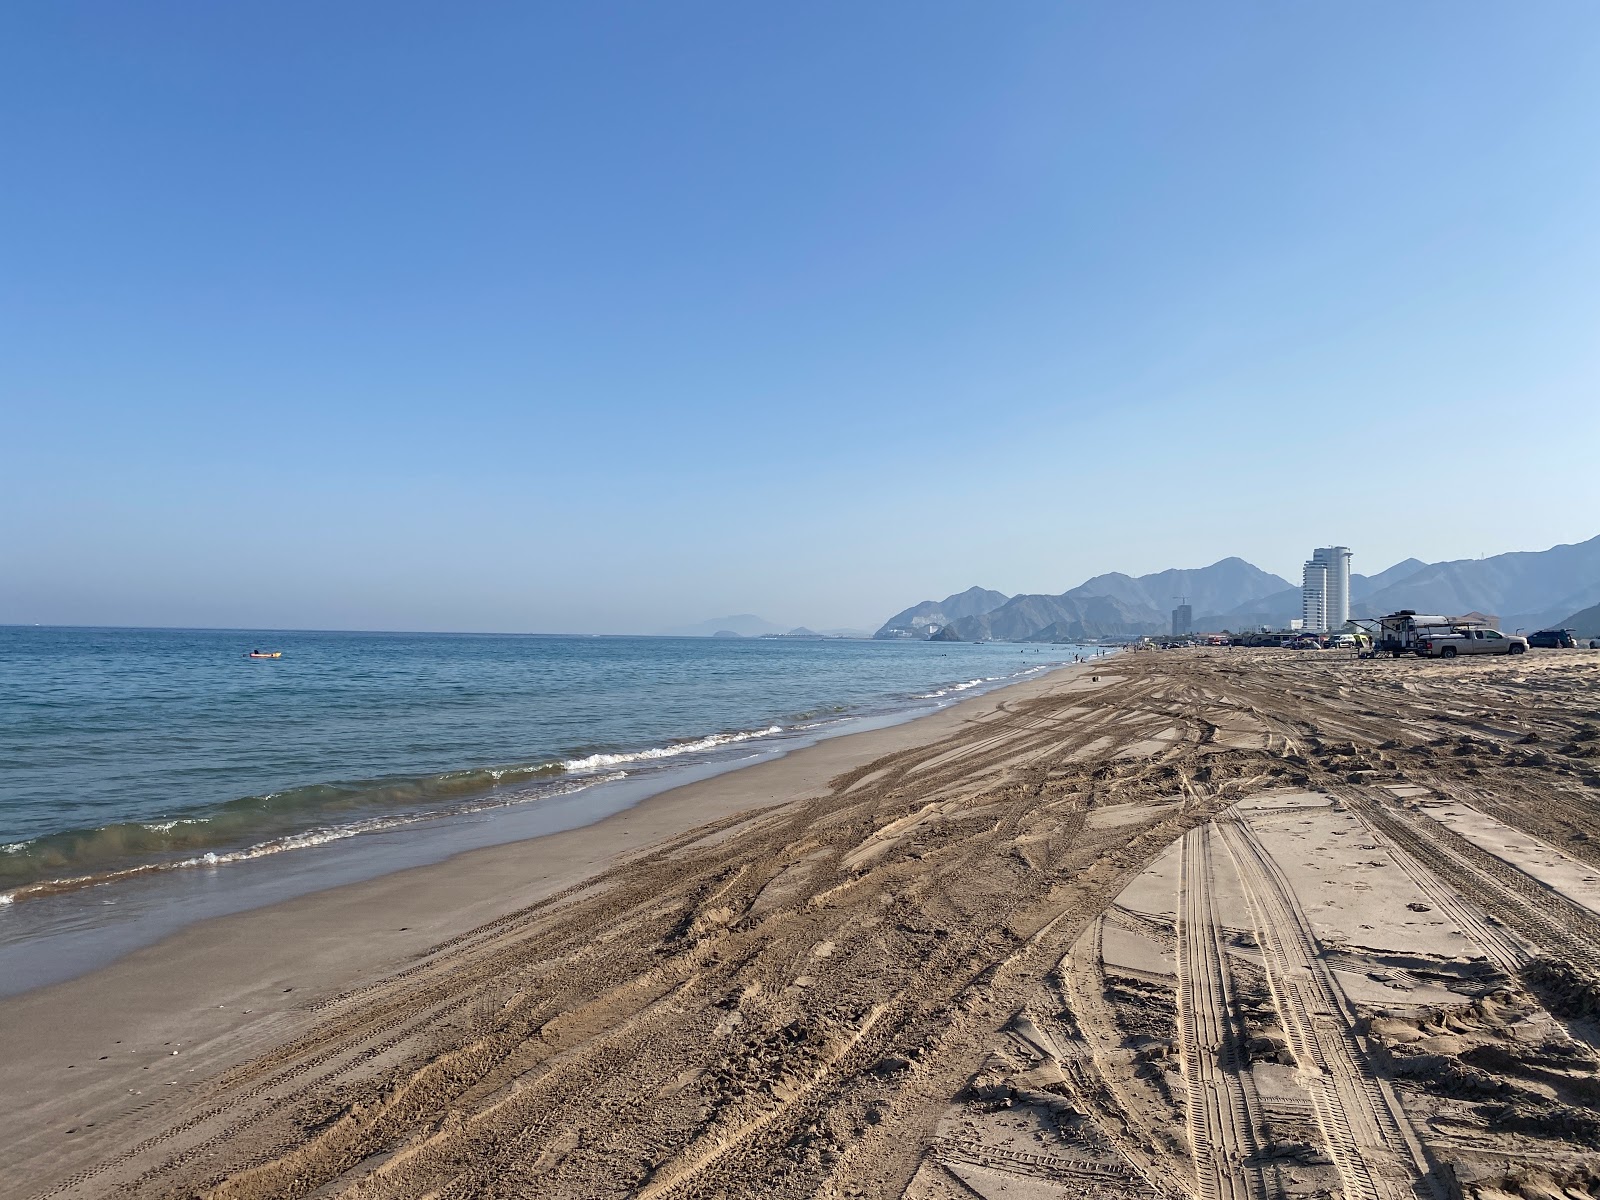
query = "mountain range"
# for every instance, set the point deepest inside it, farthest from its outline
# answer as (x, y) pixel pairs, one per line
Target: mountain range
(1523, 589)
(1281, 607)
(1117, 605)
(1526, 589)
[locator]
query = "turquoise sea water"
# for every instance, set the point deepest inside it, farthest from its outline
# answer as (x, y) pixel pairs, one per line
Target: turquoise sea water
(134, 753)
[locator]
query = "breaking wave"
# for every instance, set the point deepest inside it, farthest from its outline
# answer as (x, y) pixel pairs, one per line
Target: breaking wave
(950, 689)
(595, 761)
(95, 846)
(299, 818)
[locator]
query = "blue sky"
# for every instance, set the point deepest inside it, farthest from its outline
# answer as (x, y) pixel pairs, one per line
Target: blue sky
(610, 317)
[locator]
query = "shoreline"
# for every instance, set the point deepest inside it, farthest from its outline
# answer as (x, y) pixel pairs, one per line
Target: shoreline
(175, 757)
(219, 988)
(68, 928)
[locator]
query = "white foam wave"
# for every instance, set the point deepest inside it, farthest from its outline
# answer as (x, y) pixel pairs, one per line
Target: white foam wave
(169, 826)
(954, 687)
(295, 841)
(306, 839)
(596, 761)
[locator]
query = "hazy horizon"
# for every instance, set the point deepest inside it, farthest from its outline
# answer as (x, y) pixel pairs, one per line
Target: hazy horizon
(609, 320)
(867, 626)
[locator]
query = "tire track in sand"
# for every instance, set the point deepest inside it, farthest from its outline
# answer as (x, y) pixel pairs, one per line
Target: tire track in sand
(1217, 1109)
(1364, 1130)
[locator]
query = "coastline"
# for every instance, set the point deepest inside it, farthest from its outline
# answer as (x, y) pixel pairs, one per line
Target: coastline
(57, 928)
(222, 988)
(164, 759)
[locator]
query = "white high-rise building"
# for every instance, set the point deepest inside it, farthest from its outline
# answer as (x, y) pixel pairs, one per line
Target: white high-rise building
(1325, 590)
(1314, 597)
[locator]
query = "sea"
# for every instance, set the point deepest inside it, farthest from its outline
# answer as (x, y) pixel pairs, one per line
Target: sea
(151, 777)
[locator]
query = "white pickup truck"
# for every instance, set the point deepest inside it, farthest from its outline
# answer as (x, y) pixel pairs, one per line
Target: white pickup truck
(1442, 644)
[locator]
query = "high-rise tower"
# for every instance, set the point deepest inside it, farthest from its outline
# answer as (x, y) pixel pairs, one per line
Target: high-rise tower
(1325, 589)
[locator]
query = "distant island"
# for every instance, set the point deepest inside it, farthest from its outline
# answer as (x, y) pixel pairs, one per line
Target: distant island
(827, 635)
(739, 625)
(748, 625)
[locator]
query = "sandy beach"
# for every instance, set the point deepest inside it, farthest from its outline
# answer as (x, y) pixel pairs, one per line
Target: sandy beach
(1215, 923)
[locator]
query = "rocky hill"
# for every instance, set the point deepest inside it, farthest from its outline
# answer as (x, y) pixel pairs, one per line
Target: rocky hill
(916, 620)
(1586, 624)
(1526, 589)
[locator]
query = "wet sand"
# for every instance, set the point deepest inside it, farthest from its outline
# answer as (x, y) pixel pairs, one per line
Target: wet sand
(1219, 924)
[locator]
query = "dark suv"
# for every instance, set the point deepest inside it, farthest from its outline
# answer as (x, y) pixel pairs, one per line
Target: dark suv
(1553, 639)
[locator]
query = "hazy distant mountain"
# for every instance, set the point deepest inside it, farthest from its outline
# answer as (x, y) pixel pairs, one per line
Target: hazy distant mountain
(1275, 610)
(914, 621)
(1063, 619)
(1217, 588)
(745, 625)
(1526, 589)
(845, 633)
(1362, 586)
(1585, 624)
(1118, 605)
(1278, 609)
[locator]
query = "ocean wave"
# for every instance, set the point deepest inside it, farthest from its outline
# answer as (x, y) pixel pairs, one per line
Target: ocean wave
(169, 826)
(952, 688)
(302, 817)
(949, 688)
(301, 840)
(595, 761)
(296, 818)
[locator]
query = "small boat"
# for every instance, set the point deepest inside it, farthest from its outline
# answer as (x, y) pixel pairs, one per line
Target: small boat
(265, 654)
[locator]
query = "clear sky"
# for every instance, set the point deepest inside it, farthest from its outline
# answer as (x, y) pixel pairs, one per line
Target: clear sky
(609, 317)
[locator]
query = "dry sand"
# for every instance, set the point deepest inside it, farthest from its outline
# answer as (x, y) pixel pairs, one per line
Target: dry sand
(1221, 924)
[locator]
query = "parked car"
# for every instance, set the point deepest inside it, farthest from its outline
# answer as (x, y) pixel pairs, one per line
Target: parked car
(1471, 641)
(1553, 639)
